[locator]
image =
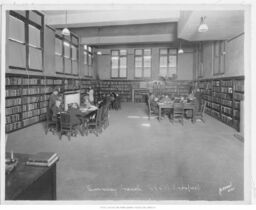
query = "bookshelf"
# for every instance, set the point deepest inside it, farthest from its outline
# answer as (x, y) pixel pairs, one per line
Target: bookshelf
(223, 96)
(27, 98)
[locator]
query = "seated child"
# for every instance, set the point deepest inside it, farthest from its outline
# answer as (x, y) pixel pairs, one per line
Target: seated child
(75, 120)
(57, 108)
(86, 102)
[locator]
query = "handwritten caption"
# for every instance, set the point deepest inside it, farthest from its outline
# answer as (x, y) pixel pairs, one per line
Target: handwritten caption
(138, 188)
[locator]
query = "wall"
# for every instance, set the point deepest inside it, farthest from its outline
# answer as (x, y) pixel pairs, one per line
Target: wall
(184, 68)
(234, 58)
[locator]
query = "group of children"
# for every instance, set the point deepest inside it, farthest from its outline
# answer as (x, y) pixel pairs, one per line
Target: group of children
(56, 106)
(194, 97)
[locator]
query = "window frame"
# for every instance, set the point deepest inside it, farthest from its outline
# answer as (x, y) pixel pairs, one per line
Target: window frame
(88, 56)
(27, 22)
(119, 67)
(143, 67)
(168, 59)
(70, 42)
(219, 55)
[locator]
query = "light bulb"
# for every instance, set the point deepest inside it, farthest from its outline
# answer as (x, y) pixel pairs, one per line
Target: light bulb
(65, 32)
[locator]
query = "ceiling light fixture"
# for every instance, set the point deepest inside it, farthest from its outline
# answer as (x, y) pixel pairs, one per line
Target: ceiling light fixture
(203, 27)
(66, 31)
(98, 51)
(180, 51)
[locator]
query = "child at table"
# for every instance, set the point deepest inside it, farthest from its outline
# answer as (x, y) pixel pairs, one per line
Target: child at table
(75, 120)
(86, 102)
(56, 108)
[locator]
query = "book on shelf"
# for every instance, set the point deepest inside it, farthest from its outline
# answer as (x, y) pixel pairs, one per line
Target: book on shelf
(45, 159)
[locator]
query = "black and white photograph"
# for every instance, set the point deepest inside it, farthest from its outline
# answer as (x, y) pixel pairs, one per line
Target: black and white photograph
(132, 103)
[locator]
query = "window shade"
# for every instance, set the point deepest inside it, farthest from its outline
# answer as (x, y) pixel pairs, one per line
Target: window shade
(58, 46)
(67, 66)
(16, 54)
(35, 58)
(74, 52)
(16, 29)
(66, 50)
(34, 37)
(74, 67)
(59, 63)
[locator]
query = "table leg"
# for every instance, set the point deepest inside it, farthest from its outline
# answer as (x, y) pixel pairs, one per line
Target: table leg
(193, 115)
(159, 113)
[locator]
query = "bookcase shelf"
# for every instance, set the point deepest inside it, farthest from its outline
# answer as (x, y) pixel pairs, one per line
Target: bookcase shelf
(223, 96)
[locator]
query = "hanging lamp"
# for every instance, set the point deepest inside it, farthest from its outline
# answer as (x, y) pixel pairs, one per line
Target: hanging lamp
(66, 31)
(203, 27)
(180, 51)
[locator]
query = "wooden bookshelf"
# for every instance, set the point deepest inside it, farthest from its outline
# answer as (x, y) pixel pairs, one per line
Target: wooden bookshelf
(223, 96)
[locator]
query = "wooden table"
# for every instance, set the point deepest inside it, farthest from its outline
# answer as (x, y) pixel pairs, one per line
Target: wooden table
(187, 106)
(30, 182)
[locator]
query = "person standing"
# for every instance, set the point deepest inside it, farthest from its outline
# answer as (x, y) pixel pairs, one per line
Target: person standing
(53, 98)
(91, 95)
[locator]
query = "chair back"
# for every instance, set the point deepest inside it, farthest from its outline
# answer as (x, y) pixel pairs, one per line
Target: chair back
(99, 114)
(178, 108)
(65, 123)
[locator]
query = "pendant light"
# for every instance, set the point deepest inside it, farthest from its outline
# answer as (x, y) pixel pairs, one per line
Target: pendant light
(66, 31)
(180, 51)
(98, 51)
(203, 27)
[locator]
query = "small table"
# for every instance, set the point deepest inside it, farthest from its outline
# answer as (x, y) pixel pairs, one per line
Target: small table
(187, 106)
(30, 182)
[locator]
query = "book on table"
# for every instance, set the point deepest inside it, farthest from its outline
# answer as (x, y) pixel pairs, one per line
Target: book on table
(42, 159)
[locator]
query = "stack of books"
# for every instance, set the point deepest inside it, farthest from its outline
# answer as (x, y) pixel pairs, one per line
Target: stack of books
(44, 159)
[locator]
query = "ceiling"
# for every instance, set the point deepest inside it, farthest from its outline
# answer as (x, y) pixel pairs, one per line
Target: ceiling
(146, 25)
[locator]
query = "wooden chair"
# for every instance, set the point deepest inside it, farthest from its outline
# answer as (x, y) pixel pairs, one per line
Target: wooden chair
(199, 114)
(66, 126)
(178, 112)
(94, 124)
(50, 124)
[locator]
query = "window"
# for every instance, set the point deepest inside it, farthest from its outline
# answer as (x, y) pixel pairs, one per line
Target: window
(168, 62)
(88, 60)
(142, 63)
(66, 54)
(25, 47)
(119, 63)
(200, 60)
(219, 48)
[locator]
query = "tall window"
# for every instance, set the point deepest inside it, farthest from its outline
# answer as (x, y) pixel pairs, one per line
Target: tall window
(200, 60)
(66, 54)
(142, 63)
(168, 62)
(88, 60)
(25, 47)
(219, 57)
(119, 63)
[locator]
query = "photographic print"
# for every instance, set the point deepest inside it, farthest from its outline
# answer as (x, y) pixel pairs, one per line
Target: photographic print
(125, 103)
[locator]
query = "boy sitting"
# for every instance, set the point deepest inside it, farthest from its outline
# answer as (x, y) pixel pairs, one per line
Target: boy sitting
(75, 120)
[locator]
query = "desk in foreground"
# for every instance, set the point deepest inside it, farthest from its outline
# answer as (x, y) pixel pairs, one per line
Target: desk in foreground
(30, 182)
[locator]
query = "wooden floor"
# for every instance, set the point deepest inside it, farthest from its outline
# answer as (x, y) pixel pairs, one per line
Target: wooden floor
(138, 159)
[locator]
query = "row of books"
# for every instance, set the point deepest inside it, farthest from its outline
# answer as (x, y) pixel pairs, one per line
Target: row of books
(236, 113)
(216, 89)
(13, 92)
(216, 100)
(12, 118)
(226, 110)
(227, 119)
(12, 110)
(30, 121)
(226, 102)
(12, 102)
(13, 81)
(239, 85)
(13, 126)
(33, 113)
(29, 107)
(215, 106)
(30, 114)
(226, 89)
(238, 96)
(227, 83)
(33, 99)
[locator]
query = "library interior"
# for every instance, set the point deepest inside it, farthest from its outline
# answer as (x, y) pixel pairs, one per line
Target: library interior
(124, 104)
